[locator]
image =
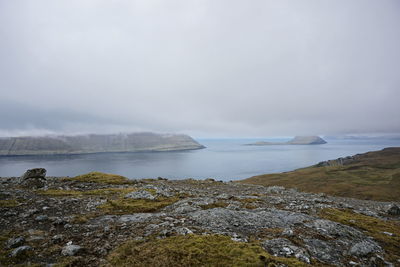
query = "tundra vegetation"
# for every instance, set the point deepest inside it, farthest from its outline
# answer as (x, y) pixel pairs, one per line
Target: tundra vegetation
(99, 219)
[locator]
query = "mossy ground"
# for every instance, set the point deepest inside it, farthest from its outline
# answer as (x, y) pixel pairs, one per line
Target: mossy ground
(100, 177)
(95, 192)
(8, 203)
(373, 176)
(126, 205)
(373, 226)
(195, 250)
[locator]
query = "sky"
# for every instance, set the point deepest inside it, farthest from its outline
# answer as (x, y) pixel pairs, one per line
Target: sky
(208, 68)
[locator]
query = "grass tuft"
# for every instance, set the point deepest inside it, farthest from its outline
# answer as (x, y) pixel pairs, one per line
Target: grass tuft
(195, 250)
(8, 203)
(100, 177)
(373, 175)
(96, 192)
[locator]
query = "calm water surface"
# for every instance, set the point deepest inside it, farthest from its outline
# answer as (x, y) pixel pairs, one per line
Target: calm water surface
(225, 159)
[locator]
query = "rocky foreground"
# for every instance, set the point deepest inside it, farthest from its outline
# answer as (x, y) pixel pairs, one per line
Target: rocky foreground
(101, 219)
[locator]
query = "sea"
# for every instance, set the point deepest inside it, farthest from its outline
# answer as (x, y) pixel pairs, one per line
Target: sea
(222, 159)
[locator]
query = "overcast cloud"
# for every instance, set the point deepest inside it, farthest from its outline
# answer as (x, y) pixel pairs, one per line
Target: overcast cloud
(202, 67)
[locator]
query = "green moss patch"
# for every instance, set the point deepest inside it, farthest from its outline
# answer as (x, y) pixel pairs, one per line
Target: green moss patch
(96, 192)
(372, 226)
(102, 178)
(8, 203)
(195, 250)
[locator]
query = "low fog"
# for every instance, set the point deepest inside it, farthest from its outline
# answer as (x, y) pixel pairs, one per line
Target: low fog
(206, 68)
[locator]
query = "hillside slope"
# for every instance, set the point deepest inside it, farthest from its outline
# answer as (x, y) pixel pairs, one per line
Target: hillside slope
(95, 143)
(373, 175)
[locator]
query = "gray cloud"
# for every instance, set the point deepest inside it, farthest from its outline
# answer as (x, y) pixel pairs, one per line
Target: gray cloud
(207, 68)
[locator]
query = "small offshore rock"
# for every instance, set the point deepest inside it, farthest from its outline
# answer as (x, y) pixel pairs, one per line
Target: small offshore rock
(71, 250)
(15, 242)
(20, 251)
(142, 194)
(394, 210)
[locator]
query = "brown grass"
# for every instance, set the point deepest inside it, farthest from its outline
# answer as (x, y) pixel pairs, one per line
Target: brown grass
(195, 250)
(372, 226)
(100, 177)
(374, 176)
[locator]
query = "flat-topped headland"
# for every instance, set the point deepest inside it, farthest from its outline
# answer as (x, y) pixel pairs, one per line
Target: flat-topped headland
(298, 140)
(96, 143)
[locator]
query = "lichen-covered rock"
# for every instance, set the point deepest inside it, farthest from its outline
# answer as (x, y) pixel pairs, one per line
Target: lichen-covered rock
(71, 250)
(142, 194)
(364, 248)
(15, 242)
(20, 251)
(283, 247)
(34, 178)
(394, 210)
(34, 173)
(243, 221)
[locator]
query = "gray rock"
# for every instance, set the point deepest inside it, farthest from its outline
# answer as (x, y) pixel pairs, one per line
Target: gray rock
(331, 229)
(282, 247)
(15, 242)
(41, 218)
(20, 251)
(33, 178)
(364, 248)
(142, 194)
(71, 250)
(245, 221)
(394, 210)
(323, 251)
(34, 173)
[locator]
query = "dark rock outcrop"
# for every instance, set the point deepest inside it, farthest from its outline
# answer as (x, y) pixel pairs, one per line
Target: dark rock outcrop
(35, 178)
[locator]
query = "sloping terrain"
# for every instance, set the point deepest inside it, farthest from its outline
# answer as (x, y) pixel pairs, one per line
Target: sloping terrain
(101, 219)
(373, 175)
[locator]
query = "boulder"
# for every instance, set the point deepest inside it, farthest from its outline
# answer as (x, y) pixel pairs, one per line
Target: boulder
(71, 250)
(34, 178)
(394, 210)
(15, 242)
(34, 173)
(20, 251)
(364, 248)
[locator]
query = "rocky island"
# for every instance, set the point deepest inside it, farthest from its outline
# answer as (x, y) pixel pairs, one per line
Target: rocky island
(99, 219)
(298, 140)
(96, 143)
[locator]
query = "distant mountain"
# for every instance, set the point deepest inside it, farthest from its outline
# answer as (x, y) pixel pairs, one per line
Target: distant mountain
(96, 143)
(298, 140)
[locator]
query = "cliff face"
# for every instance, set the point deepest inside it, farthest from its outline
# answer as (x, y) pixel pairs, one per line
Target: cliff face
(81, 144)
